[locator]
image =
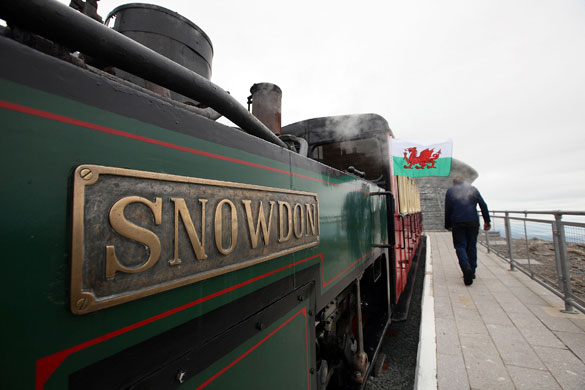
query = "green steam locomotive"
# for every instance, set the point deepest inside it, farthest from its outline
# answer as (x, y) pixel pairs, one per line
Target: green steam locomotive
(150, 246)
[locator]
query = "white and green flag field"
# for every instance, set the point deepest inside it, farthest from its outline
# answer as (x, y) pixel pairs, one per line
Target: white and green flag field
(418, 159)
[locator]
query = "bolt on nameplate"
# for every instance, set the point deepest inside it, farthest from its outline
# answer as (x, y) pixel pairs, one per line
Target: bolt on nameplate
(138, 233)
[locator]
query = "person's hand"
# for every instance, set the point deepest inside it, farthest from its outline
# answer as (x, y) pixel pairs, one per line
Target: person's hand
(486, 226)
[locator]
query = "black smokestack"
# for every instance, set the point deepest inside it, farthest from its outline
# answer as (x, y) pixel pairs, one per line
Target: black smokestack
(266, 102)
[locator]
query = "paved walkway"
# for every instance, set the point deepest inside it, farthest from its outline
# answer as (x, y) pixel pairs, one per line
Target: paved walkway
(503, 332)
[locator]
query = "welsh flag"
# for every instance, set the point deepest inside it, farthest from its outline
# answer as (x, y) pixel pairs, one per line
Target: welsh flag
(416, 159)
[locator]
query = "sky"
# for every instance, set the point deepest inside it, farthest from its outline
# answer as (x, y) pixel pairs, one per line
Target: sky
(504, 79)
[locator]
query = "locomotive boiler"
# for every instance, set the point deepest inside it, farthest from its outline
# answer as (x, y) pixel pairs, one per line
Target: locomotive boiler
(149, 246)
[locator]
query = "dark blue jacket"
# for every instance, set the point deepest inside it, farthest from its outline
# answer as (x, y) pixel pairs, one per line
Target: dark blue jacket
(461, 203)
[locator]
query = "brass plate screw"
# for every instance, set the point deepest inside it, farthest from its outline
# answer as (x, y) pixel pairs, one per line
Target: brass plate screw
(81, 304)
(86, 174)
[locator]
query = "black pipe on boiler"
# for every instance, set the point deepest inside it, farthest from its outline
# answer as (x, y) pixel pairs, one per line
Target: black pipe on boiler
(76, 31)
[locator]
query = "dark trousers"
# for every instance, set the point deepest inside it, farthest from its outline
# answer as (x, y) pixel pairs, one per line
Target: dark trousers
(465, 243)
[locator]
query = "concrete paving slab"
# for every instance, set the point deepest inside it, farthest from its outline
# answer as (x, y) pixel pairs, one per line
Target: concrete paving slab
(531, 379)
(554, 319)
(494, 315)
(451, 374)
(482, 293)
(469, 322)
(447, 338)
(441, 290)
(558, 310)
(479, 347)
(457, 288)
(565, 367)
(509, 302)
(526, 296)
(509, 279)
(483, 301)
(513, 347)
(462, 301)
(487, 375)
(443, 308)
(575, 342)
(552, 301)
(534, 331)
(579, 322)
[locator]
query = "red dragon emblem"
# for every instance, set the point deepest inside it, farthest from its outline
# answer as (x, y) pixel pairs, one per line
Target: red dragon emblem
(426, 158)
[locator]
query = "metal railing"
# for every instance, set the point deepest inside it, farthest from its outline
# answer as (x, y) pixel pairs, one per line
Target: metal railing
(549, 247)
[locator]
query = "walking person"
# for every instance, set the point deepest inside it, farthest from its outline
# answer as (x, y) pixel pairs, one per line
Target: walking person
(462, 221)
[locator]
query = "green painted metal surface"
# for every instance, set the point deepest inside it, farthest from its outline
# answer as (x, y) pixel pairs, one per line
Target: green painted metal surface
(278, 357)
(39, 155)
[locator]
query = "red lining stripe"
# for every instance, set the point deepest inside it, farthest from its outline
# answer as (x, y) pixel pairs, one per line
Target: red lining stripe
(223, 370)
(76, 122)
(345, 270)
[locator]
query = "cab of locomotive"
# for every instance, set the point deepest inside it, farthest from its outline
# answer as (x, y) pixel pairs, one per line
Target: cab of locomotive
(356, 144)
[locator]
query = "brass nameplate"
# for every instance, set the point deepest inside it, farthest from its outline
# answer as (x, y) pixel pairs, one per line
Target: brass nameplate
(139, 233)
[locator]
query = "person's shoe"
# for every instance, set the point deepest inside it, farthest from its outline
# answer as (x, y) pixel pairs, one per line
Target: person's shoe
(468, 276)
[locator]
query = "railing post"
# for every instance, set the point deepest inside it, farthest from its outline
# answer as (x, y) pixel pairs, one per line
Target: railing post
(556, 244)
(527, 246)
(563, 260)
(509, 240)
(487, 239)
